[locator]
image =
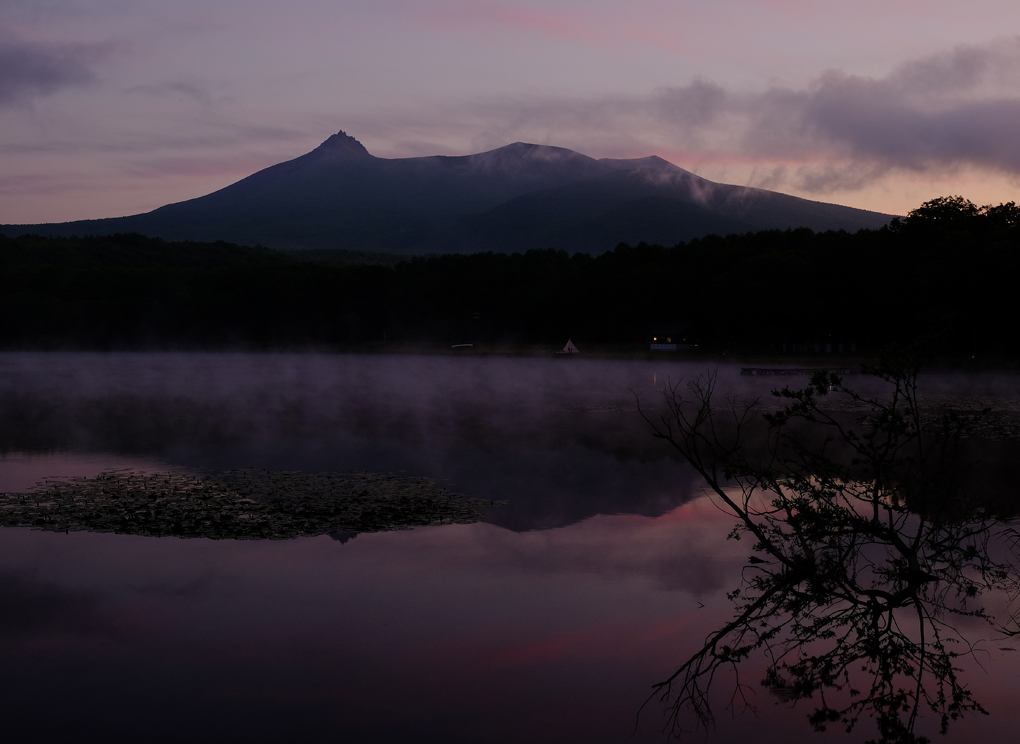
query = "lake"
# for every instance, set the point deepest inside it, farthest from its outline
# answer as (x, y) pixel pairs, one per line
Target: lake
(594, 567)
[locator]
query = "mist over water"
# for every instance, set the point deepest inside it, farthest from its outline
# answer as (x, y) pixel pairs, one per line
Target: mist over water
(548, 621)
(558, 438)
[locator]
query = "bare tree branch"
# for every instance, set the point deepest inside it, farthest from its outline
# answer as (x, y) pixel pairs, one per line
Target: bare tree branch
(865, 544)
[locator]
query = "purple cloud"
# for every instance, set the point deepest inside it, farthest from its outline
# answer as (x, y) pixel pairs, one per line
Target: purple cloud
(29, 69)
(839, 132)
(939, 113)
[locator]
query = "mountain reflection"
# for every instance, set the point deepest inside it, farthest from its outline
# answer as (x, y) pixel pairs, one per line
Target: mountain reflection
(237, 505)
(870, 554)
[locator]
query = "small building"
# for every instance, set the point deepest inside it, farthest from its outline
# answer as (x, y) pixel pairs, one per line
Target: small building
(673, 336)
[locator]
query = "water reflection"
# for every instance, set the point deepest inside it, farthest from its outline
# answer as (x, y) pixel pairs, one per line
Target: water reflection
(461, 633)
(867, 550)
(546, 622)
(558, 442)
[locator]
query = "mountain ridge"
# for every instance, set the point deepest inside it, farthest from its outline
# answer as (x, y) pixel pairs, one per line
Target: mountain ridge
(511, 198)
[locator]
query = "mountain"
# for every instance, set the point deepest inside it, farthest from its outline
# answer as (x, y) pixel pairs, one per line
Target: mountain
(516, 197)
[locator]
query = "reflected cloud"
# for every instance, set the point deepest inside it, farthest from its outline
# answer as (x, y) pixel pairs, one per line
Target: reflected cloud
(31, 608)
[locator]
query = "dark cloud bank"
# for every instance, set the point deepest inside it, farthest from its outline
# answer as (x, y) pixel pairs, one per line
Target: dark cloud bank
(948, 110)
(29, 70)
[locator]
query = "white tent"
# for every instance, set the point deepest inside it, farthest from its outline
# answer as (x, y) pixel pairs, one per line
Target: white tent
(569, 348)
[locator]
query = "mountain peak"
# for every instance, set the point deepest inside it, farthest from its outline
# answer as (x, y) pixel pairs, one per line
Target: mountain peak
(526, 149)
(518, 153)
(342, 143)
(512, 198)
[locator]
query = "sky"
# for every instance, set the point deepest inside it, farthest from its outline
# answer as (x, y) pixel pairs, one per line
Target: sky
(115, 107)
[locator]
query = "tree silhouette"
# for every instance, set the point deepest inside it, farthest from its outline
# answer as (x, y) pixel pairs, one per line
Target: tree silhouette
(867, 546)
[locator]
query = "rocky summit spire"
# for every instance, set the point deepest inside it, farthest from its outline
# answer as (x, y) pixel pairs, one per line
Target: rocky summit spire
(342, 143)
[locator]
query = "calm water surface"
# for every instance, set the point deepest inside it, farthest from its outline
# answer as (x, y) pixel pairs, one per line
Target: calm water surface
(546, 622)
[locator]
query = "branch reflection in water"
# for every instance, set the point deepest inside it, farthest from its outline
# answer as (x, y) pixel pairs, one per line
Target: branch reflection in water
(869, 550)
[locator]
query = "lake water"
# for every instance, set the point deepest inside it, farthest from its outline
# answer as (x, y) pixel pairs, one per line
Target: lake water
(546, 621)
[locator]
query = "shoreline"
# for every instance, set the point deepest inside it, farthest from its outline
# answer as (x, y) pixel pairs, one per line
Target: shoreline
(762, 363)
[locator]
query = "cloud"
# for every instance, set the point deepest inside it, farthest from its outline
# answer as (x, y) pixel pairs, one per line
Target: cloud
(201, 136)
(942, 112)
(935, 115)
(196, 91)
(29, 69)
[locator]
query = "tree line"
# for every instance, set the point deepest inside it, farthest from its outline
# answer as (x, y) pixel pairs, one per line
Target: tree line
(945, 272)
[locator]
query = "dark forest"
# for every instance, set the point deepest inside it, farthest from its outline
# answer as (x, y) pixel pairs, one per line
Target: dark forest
(945, 273)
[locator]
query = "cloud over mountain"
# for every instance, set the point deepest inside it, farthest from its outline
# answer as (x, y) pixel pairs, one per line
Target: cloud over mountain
(958, 108)
(840, 131)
